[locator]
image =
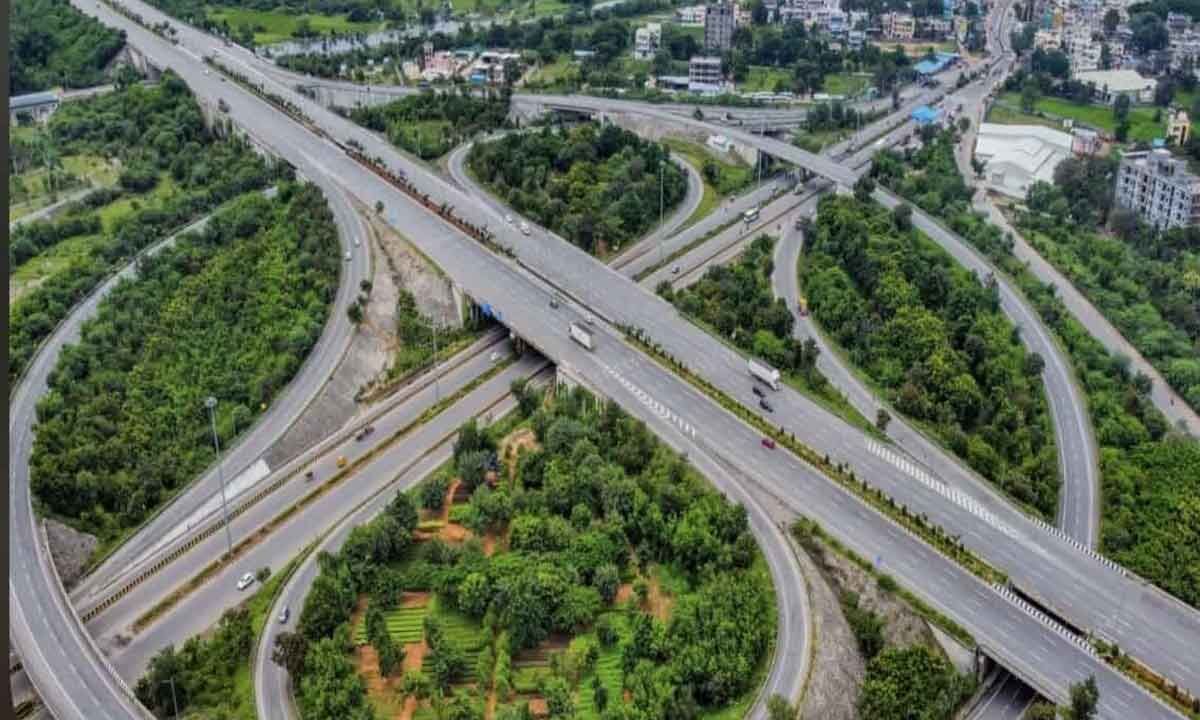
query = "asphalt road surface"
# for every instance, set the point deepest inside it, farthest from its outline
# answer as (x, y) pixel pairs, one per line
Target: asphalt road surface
(1086, 590)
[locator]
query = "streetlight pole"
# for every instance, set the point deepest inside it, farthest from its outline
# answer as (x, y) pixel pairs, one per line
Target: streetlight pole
(174, 700)
(661, 240)
(211, 403)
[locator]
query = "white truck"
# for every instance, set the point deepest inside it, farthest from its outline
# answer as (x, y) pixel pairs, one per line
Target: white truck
(582, 335)
(764, 372)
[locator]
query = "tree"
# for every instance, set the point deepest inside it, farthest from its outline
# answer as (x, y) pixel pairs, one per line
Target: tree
(289, 652)
(778, 708)
(902, 216)
(355, 313)
(378, 207)
(1085, 696)
(1041, 711)
(863, 188)
(1030, 92)
(1112, 18)
(882, 419)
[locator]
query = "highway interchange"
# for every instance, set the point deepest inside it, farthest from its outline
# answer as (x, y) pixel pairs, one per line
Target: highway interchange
(1037, 560)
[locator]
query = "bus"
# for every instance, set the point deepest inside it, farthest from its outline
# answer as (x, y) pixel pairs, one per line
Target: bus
(750, 215)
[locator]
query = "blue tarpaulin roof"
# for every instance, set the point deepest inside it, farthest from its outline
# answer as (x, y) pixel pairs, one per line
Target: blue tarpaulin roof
(925, 115)
(935, 64)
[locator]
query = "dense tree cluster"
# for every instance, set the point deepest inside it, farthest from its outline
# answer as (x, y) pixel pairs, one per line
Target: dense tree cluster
(430, 124)
(1151, 478)
(29, 240)
(934, 337)
(50, 43)
(201, 673)
(599, 500)
(230, 311)
(597, 186)
(148, 129)
(1146, 282)
(901, 680)
(737, 302)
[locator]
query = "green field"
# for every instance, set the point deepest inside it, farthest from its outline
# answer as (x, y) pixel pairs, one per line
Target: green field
(403, 624)
(64, 254)
(766, 79)
(608, 668)
(48, 264)
(28, 191)
(560, 72)
(847, 84)
(1142, 126)
(111, 213)
(272, 26)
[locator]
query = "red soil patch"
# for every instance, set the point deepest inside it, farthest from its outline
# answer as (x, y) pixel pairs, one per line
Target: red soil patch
(624, 593)
(660, 602)
(381, 689)
(415, 599)
(489, 543)
(453, 533)
(538, 707)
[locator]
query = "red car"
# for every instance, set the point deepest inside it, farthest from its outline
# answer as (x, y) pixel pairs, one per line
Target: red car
(768, 443)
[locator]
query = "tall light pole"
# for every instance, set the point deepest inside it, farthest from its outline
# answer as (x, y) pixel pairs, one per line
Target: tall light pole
(211, 403)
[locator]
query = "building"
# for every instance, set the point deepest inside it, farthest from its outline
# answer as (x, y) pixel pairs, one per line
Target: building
(936, 28)
(33, 107)
(925, 115)
(897, 26)
(1179, 127)
(1159, 189)
(646, 41)
(718, 27)
(1111, 84)
(742, 16)
(1017, 156)
(692, 15)
(936, 64)
(704, 75)
(1085, 142)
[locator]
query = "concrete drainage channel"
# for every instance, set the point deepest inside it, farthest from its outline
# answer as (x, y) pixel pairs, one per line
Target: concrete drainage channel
(287, 473)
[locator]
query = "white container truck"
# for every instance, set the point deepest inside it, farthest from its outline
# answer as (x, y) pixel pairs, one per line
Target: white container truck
(764, 372)
(582, 335)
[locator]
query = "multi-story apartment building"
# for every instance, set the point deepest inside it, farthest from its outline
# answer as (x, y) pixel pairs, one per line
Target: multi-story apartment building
(692, 15)
(1159, 189)
(704, 74)
(718, 26)
(1179, 126)
(897, 26)
(646, 41)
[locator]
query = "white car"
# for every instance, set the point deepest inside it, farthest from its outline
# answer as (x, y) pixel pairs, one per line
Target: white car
(508, 219)
(348, 256)
(525, 228)
(494, 356)
(246, 581)
(284, 615)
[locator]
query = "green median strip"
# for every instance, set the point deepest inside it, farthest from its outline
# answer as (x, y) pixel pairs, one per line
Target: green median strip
(918, 525)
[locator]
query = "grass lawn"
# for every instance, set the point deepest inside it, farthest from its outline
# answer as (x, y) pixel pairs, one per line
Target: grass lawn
(405, 625)
(766, 79)
(561, 71)
(847, 84)
(114, 211)
(46, 265)
(1007, 115)
(272, 26)
(817, 141)
(734, 176)
(93, 170)
(1142, 126)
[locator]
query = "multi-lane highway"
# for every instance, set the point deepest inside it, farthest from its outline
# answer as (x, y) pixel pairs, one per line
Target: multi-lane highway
(1038, 560)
